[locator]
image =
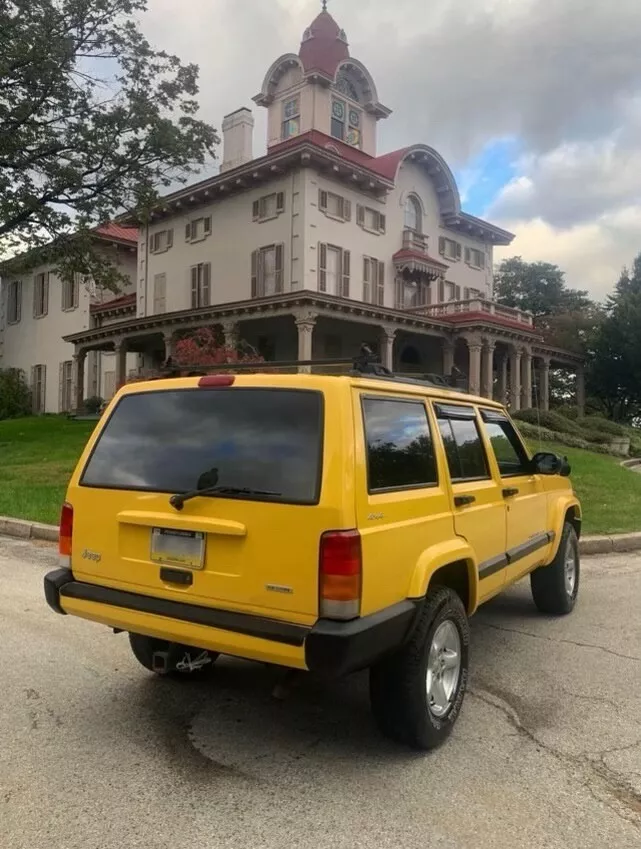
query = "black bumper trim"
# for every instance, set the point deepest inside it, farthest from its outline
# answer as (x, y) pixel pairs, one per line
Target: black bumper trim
(336, 648)
(54, 581)
(224, 620)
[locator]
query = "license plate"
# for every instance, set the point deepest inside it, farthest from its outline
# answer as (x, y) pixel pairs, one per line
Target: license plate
(178, 548)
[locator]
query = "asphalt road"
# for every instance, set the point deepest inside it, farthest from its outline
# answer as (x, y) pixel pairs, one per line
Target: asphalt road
(98, 754)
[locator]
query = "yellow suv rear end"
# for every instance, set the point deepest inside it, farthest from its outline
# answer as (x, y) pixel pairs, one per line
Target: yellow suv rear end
(318, 523)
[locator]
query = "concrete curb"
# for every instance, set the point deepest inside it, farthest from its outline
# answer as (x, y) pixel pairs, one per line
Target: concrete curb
(20, 529)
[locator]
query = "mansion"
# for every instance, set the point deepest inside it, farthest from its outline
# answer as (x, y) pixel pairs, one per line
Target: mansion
(303, 253)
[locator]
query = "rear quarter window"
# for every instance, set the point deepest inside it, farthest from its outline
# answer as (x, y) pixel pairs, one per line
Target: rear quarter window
(247, 438)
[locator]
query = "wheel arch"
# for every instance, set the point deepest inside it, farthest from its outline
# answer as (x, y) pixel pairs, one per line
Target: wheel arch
(452, 565)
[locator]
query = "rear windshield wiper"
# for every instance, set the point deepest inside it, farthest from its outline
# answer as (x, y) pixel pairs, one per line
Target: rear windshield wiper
(178, 501)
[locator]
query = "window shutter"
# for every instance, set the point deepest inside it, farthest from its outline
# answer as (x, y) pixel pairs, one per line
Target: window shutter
(346, 273)
(280, 202)
(380, 285)
(18, 300)
(360, 215)
(441, 245)
(457, 293)
(160, 293)
(194, 287)
(427, 295)
(347, 210)
(61, 394)
(382, 222)
(36, 287)
(254, 275)
(151, 243)
(206, 285)
(261, 274)
(170, 238)
(279, 251)
(76, 291)
(43, 389)
(466, 294)
(45, 294)
(188, 232)
(441, 290)
(367, 276)
(256, 210)
(207, 225)
(322, 267)
(458, 250)
(467, 255)
(481, 259)
(322, 199)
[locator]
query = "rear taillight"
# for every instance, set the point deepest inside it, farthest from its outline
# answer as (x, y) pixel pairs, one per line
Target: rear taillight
(66, 532)
(341, 570)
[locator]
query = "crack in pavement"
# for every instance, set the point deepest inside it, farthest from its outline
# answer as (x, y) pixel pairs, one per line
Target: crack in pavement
(560, 640)
(619, 796)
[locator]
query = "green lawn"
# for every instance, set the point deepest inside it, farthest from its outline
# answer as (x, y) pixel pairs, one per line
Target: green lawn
(37, 456)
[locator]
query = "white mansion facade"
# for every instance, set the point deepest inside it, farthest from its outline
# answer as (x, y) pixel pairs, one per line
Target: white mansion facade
(304, 253)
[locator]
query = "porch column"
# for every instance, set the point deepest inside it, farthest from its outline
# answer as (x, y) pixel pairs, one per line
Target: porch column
(120, 349)
(231, 333)
(79, 359)
(388, 335)
(580, 389)
(515, 379)
(503, 378)
(526, 364)
(544, 383)
(474, 375)
(487, 388)
(305, 325)
(449, 346)
(170, 345)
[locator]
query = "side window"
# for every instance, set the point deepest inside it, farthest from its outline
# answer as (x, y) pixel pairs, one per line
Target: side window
(400, 451)
(508, 448)
(462, 440)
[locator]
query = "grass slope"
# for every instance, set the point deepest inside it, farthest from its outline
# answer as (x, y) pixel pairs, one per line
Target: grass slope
(37, 456)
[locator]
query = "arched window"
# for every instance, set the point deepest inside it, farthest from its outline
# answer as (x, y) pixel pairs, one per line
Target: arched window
(413, 215)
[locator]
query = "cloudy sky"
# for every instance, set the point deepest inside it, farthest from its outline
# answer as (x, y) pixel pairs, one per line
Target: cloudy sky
(536, 104)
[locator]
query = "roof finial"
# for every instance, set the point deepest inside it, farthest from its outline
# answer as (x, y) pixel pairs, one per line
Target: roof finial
(324, 5)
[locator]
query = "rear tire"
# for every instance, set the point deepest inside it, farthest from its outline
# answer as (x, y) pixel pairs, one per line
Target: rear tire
(144, 648)
(555, 587)
(416, 694)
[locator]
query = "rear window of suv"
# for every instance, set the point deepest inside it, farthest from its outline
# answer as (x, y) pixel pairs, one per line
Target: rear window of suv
(263, 440)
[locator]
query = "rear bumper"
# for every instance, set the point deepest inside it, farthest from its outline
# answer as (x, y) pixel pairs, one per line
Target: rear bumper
(331, 648)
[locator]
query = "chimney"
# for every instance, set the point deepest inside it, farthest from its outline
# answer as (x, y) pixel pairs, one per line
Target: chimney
(238, 131)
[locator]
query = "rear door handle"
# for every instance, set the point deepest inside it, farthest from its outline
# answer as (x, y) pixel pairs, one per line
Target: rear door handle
(462, 500)
(510, 493)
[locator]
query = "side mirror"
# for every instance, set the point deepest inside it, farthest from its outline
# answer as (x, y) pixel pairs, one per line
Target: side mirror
(546, 463)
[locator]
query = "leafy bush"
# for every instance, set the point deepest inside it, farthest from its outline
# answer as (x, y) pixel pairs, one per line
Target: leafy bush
(569, 411)
(549, 420)
(93, 405)
(533, 433)
(15, 395)
(603, 425)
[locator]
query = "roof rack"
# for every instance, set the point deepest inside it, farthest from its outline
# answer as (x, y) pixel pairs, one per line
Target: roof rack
(366, 364)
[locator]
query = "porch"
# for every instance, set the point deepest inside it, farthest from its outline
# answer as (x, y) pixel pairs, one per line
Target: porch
(497, 356)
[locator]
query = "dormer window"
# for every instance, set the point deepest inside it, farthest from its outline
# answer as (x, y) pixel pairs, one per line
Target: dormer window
(413, 214)
(291, 118)
(346, 86)
(346, 123)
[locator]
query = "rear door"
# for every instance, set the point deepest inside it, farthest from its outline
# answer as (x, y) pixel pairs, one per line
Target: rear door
(255, 551)
(477, 500)
(525, 497)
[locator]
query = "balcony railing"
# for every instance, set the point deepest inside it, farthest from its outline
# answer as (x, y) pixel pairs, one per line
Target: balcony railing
(413, 241)
(476, 305)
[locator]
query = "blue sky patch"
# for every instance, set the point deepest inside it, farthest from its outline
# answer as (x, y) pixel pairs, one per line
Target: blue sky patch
(483, 177)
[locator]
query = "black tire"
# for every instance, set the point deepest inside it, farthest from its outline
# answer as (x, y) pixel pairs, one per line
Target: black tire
(551, 591)
(398, 691)
(144, 648)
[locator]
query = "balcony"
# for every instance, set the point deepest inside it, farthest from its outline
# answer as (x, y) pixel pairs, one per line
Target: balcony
(413, 241)
(460, 310)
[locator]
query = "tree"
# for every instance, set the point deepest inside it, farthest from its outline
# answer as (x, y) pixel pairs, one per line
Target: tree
(15, 395)
(614, 373)
(204, 347)
(93, 121)
(536, 287)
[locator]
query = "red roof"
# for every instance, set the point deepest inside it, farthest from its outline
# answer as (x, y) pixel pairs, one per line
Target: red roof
(116, 303)
(324, 46)
(118, 232)
(387, 165)
(487, 318)
(422, 256)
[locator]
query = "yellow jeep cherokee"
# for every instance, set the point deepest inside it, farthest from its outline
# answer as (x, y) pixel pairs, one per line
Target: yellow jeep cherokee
(320, 523)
